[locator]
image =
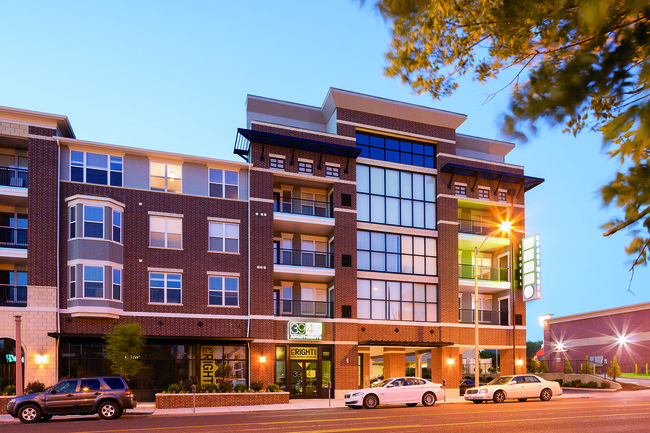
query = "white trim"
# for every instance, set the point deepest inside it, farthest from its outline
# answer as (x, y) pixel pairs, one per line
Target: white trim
(453, 223)
(484, 161)
(387, 276)
(90, 262)
(411, 231)
(165, 270)
(224, 220)
(333, 164)
(397, 166)
(307, 160)
(339, 209)
(222, 274)
(94, 200)
(275, 155)
(263, 200)
(289, 128)
(165, 214)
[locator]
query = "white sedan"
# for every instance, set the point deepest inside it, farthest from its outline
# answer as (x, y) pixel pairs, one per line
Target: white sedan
(398, 390)
(520, 386)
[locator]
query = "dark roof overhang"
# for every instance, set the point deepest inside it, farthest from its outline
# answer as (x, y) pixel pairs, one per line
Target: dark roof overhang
(157, 337)
(528, 182)
(389, 343)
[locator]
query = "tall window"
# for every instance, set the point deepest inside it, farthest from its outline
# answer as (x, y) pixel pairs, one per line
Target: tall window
(386, 196)
(73, 222)
(388, 252)
(165, 232)
(224, 237)
(394, 300)
(93, 281)
(394, 149)
(164, 288)
(117, 226)
(224, 183)
(117, 284)
(95, 168)
(93, 222)
(166, 176)
(73, 281)
(223, 291)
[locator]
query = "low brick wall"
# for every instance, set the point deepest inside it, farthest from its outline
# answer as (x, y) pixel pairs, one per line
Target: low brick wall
(4, 401)
(584, 378)
(177, 401)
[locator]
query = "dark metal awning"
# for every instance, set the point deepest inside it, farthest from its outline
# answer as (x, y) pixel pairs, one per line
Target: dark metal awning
(389, 343)
(242, 147)
(157, 337)
(527, 182)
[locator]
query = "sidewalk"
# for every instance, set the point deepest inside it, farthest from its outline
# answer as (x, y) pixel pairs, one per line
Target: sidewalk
(149, 408)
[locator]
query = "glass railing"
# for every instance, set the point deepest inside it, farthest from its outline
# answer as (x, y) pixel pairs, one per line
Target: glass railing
(286, 307)
(10, 176)
(303, 207)
(482, 227)
(312, 259)
(13, 296)
(11, 237)
(489, 273)
(488, 317)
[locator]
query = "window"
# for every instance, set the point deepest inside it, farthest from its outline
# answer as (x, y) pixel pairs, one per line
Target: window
(165, 176)
(388, 252)
(276, 163)
(305, 167)
(93, 281)
(460, 189)
(73, 281)
(503, 196)
(393, 197)
(484, 193)
(93, 222)
(164, 288)
(331, 171)
(224, 237)
(223, 291)
(95, 168)
(117, 226)
(398, 150)
(165, 232)
(394, 300)
(224, 183)
(73, 222)
(117, 284)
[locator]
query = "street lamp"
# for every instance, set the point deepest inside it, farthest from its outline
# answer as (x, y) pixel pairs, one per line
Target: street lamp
(504, 227)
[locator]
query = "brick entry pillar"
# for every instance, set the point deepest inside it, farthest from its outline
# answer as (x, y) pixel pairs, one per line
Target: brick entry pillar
(394, 362)
(507, 361)
(366, 366)
(446, 363)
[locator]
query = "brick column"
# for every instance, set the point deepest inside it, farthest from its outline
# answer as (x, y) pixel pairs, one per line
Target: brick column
(442, 368)
(394, 362)
(366, 366)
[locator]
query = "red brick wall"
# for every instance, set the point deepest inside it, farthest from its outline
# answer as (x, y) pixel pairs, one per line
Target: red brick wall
(177, 401)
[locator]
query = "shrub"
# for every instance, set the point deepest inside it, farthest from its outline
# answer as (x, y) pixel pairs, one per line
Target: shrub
(574, 383)
(273, 388)
(604, 384)
(585, 367)
(542, 368)
(567, 366)
(560, 380)
(614, 369)
(257, 385)
(210, 387)
(225, 385)
(174, 388)
(10, 390)
(591, 384)
(241, 387)
(34, 387)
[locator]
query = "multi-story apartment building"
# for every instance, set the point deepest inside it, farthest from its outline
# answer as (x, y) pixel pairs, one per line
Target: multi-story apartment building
(341, 248)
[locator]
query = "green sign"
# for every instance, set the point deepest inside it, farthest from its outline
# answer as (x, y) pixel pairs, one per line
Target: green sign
(305, 331)
(530, 268)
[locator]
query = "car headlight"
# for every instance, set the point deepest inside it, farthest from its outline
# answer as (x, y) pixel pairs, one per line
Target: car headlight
(13, 400)
(356, 394)
(482, 391)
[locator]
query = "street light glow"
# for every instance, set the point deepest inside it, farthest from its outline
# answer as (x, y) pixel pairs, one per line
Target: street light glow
(505, 226)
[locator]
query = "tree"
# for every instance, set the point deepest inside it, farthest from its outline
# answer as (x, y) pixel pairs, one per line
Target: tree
(124, 348)
(614, 370)
(585, 367)
(532, 347)
(582, 63)
(567, 366)
(542, 367)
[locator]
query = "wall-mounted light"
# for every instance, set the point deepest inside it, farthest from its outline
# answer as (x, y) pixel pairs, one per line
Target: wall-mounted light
(543, 318)
(450, 361)
(520, 362)
(623, 340)
(262, 358)
(41, 359)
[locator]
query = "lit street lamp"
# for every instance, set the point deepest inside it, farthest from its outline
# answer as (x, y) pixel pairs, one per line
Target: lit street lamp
(504, 227)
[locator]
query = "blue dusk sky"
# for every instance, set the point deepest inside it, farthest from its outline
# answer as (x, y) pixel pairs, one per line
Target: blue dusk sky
(174, 75)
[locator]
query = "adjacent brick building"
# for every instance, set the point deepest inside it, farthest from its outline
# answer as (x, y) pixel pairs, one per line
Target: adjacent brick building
(339, 249)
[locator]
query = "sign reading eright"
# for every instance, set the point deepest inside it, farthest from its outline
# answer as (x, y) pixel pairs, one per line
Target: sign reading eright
(530, 268)
(305, 331)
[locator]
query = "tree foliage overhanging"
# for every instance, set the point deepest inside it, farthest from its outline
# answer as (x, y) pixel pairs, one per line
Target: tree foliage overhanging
(581, 63)
(124, 349)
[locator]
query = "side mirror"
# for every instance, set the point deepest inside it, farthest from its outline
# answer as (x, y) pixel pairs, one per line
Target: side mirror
(390, 385)
(53, 391)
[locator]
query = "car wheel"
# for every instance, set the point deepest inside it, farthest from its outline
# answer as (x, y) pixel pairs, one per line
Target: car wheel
(499, 397)
(45, 418)
(411, 404)
(428, 399)
(29, 413)
(522, 399)
(477, 401)
(546, 394)
(109, 410)
(370, 402)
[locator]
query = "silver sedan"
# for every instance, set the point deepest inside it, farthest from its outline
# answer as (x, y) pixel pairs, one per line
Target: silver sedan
(520, 387)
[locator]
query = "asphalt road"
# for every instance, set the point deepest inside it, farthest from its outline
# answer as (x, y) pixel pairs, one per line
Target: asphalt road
(624, 411)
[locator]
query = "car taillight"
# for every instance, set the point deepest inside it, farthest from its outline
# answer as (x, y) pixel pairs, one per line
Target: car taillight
(127, 393)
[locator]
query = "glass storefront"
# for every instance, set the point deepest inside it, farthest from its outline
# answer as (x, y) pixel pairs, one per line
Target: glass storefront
(8, 363)
(305, 369)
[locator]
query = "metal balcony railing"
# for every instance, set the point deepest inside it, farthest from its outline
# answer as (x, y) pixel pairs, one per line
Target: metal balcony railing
(314, 259)
(488, 317)
(11, 237)
(13, 296)
(303, 207)
(286, 307)
(10, 176)
(484, 273)
(474, 227)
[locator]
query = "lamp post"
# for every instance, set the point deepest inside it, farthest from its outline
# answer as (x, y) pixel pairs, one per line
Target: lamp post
(505, 227)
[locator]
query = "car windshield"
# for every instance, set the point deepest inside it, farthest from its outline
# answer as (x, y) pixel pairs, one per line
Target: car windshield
(380, 384)
(501, 380)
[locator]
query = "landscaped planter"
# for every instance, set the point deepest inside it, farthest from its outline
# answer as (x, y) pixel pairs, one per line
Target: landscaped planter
(4, 401)
(177, 401)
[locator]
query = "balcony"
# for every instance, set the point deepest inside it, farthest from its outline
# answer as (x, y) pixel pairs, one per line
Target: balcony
(307, 216)
(298, 206)
(488, 273)
(286, 307)
(477, 227)
(14, 177)
(13, 296)
(486, 317)
(312, 259)
(11, 237)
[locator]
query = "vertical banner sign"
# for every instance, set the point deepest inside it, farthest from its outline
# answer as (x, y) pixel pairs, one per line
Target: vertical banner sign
(208, 366)
(530, 268)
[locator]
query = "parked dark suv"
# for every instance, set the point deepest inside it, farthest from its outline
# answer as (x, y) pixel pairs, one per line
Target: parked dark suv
(105, 396)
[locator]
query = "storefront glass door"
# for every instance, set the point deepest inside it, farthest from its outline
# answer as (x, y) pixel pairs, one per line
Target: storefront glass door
(304, 382)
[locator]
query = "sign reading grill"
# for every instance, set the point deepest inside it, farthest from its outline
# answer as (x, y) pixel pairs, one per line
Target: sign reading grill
(305, 331)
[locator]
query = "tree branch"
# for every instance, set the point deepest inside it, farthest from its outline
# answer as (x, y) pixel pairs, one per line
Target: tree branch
(627, 223)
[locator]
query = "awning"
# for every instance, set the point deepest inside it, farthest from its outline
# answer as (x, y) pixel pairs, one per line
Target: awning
(528, 182)
(389, 343)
